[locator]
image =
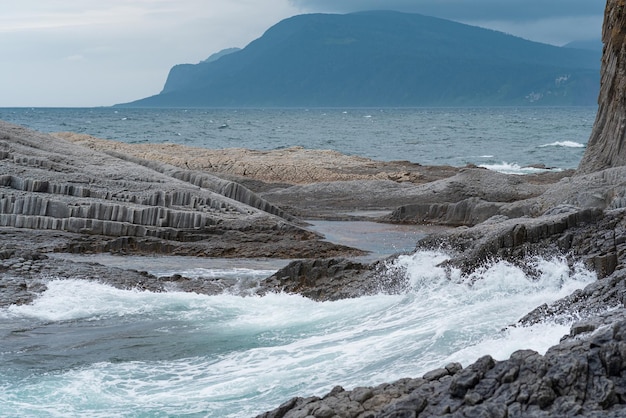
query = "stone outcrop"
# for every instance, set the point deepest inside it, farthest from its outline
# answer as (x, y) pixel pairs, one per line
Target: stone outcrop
(580, 377)
(294, 165)
(114, 202)
(564, 230)
(332, 279)
(523, 196)
(468, 197)
(473, 196)
(326, 184)
(606, 147)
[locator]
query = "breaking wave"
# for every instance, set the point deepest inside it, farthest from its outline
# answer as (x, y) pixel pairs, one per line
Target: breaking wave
(84, 348)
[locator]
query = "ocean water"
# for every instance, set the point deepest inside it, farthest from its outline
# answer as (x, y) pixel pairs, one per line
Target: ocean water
(86, 349)
(504, 139)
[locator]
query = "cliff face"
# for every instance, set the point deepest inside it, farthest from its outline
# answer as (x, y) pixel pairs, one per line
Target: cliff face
(606, 144)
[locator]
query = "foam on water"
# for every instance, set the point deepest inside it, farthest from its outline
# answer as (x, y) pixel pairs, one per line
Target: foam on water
(233, 356)
(513, 168)
(565, 144)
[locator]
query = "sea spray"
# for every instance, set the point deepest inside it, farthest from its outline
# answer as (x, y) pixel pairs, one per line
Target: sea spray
(84, 348)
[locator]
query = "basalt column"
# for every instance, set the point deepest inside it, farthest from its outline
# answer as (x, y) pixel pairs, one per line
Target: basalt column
(606, 147)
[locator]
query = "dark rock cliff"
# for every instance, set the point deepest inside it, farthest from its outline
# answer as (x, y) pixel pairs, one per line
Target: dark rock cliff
(606, 144)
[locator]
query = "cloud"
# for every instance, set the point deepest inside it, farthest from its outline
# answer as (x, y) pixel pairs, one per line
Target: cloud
(50, 17)
(94, 52)
(75, 58)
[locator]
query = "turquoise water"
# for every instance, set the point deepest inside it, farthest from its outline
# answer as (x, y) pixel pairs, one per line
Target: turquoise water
(502, 138)
(86, 349)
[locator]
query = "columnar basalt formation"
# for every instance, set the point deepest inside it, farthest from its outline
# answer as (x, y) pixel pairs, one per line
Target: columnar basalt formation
(116, 202)
(607, 144)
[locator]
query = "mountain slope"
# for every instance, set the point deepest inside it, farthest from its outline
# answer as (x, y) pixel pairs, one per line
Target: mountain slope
(384, 59)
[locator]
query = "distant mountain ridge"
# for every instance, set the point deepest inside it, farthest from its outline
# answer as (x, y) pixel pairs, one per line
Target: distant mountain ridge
(220, 54)
(384, 58)
(590, 44)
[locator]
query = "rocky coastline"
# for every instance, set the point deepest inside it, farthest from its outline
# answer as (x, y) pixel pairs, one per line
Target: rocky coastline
(582, 216)
(76, 194)
(69, 193)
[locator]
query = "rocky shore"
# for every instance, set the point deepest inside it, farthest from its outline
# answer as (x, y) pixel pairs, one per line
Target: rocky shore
(77, 194)
(582, 216)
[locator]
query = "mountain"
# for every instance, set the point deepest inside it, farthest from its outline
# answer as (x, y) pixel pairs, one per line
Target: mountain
(384, 58)
(220, 54)
(591, 44)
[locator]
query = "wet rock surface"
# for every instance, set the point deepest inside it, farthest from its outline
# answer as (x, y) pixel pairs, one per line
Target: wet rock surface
(582, 376)
(333, 279)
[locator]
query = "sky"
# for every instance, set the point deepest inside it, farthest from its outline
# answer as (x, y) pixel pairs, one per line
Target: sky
(88, 53)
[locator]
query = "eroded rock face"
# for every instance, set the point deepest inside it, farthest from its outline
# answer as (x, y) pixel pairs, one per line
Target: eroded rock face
(113, 202)
(606, 144)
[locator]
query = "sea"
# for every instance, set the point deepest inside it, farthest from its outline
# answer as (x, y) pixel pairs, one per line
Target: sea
(86, 349)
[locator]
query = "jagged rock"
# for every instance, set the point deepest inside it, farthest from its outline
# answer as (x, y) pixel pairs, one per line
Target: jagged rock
(321, 183)
(470, 211)
(568, 231)
(333, 279)
(470, 196)
(580, 377)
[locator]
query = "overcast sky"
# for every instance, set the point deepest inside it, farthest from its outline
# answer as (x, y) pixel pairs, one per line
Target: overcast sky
(98, 53)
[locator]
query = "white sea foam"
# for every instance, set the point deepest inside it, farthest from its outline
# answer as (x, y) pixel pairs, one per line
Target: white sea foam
(539, 337)
(513, 168)
(234, 273)
(251, 354)
(565, 144)
(66, 300)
